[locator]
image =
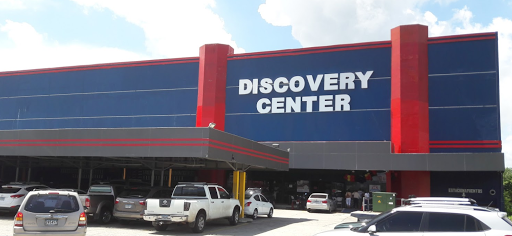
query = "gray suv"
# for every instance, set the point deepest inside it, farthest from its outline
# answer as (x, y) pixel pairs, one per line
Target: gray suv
(50, 212)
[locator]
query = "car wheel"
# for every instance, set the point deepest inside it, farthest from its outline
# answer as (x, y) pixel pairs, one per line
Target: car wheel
(160, 227)
(199, 223)
(255, 214)
(235, 217)
(105, 216)
(270, 213)
(309, 210)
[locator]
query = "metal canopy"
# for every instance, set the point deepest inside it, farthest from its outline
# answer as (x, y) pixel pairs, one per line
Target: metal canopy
(154, 148)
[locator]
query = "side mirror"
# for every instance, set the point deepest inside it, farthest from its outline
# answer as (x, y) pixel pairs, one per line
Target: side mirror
(372, 229)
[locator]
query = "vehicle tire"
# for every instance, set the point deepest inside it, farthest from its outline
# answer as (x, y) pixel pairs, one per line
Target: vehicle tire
(160, 227)
(255, 214)
(235, 217)
(105, 216)
(270, 213)
(199, 223)
(309, 210)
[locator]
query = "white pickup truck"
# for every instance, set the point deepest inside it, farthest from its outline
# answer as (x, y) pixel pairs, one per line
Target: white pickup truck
(193, 204)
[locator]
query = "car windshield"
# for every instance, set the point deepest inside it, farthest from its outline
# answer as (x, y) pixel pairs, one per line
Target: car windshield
(375, 220)
(9, 189)
(51, 203)
(322, 196)
(135, 193)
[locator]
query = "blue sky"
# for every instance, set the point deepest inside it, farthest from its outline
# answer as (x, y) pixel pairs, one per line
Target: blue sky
(53, 33)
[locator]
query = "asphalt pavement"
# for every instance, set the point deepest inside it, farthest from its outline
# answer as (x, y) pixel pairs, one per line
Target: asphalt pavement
(285, 222)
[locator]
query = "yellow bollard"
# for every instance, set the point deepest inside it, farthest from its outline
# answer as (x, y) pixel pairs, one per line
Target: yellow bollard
(241, 191)
(236, 177)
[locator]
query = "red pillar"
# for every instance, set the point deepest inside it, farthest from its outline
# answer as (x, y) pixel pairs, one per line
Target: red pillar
(211, 96)
(409, 106)
(409, 89)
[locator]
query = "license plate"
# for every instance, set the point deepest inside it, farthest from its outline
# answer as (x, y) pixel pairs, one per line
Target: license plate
(128, 206)
(316, 202)
(2, 198)
(51, 222)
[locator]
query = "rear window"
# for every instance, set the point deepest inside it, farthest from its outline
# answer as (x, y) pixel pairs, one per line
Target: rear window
(100, 189)
(318, 196)
(248, 195)
(135, 193)
(49, 203)
(9, 189)
(189, 191)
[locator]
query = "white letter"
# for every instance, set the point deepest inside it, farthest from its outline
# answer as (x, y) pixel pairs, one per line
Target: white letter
(255, 86)
(301, 85)
(347, 78)
(314, 84)
(242, 86)
(295, 104)
(277, 105)
(364, 78)
(342, 100)
(309, 102)
(325, 103)
(266, 85)
(260, 107)
(331, 82)
(277, 84)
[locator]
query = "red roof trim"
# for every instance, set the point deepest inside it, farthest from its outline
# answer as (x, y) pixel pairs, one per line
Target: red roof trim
(102, 66)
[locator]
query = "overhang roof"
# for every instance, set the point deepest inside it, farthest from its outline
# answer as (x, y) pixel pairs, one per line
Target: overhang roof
(195, 147)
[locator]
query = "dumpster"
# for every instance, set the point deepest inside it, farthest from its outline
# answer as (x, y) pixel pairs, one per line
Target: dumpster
(383, 201)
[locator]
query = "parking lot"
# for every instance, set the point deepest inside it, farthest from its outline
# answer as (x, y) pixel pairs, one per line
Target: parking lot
(284, 222)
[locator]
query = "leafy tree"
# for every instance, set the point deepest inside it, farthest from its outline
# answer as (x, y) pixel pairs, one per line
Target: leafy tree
(507, 190)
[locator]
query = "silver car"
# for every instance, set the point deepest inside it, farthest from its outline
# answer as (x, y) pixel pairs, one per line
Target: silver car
(320, 201)
(131, 202)
(50, 212)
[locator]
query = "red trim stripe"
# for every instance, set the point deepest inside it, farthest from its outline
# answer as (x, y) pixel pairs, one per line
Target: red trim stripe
(460, 40)
(101, 66)
(66, 143)
(302, 52)
(466, 144)
(462, 36)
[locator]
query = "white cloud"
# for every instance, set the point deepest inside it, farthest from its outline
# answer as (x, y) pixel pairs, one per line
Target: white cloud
(172, 28)
(12, 5)
(31, 49)
(317, 23)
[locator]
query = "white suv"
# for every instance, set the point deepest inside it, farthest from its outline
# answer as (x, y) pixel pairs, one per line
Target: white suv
(12, 195)
(430, 219)
(50, 212)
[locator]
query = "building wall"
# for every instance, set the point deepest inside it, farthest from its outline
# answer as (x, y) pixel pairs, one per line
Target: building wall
(140, 96)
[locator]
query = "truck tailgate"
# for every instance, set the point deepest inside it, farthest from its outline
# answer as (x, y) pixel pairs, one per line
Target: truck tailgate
(165, 206)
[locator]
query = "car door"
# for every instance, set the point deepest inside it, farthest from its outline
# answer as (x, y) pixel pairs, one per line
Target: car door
(215, 204)
(226, 208)
(400, 223)
(441, 224)
(265, 205)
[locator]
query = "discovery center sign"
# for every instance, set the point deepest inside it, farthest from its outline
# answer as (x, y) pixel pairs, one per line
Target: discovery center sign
(332, 81)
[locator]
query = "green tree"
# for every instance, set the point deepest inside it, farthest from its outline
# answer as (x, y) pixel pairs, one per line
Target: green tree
(507, 190)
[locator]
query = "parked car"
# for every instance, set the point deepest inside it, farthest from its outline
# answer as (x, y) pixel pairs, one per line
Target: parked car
(101, 201)
(426, 219)
(320, 201)
(257, 204)
(193, 203)
(131, 203)
(50, 212)
(13, 194)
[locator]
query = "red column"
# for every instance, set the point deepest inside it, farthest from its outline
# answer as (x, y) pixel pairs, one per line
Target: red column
(211, 95)
(409, 89)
